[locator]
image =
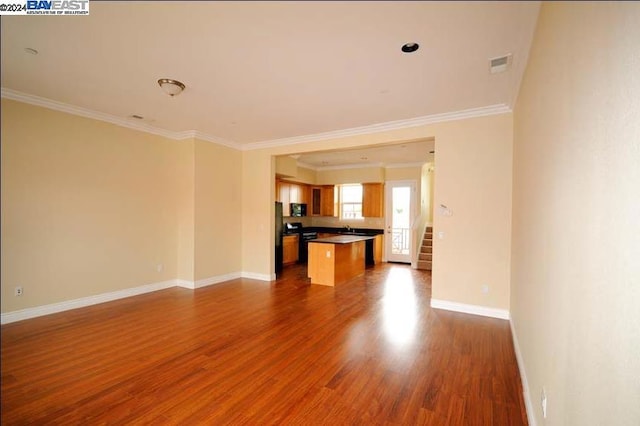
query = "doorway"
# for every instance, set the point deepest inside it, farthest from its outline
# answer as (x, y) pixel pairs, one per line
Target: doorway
(400, 215)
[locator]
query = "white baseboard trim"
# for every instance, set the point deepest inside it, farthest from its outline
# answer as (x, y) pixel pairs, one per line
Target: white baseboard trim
(470, 309)
(185, 284)
(39, 311)
(217, 279)
(261, 277)
(523, 377)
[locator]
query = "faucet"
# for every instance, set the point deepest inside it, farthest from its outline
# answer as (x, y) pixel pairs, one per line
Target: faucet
(348, 228)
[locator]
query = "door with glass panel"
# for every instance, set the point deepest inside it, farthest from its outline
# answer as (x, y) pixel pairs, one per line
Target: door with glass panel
(400, 207)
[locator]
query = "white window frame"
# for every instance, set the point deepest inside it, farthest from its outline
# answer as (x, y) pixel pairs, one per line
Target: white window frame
(341, 203)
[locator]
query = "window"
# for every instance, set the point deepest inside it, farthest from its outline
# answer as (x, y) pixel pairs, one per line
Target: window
(351, 201)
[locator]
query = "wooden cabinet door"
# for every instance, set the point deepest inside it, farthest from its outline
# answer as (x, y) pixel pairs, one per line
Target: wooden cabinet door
(373, 199)
(285, 198)
(378, 247)
(327, 204)
(315, 201)
(305, 195)
(294, 193)
(289, 249)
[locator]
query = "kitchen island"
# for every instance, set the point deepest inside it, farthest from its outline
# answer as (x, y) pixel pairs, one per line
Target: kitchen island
(334, 260)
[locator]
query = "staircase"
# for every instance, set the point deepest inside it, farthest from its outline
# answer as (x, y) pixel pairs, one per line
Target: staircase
(426, 250)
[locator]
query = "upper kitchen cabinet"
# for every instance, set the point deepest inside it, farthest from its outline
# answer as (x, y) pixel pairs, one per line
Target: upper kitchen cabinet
(291, 192)
(299, 192)
(373, 199)
(327, 201)
(315, 201)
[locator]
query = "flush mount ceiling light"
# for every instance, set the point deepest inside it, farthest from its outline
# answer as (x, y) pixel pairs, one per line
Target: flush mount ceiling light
(171, 87)
(410, 47)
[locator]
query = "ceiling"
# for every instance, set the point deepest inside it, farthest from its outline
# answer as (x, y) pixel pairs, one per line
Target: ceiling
(257, 73)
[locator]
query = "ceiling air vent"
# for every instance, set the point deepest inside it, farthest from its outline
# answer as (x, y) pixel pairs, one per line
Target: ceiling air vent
(499, 64)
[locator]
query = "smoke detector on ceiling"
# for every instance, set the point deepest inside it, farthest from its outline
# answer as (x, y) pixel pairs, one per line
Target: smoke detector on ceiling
(500, 64)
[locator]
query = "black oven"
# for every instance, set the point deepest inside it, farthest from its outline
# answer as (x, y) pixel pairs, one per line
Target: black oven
(303, 252)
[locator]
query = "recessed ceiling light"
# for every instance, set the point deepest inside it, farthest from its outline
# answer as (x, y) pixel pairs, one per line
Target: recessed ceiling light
(431, 152)
(31, 51)
(410, 47)
(137, 117)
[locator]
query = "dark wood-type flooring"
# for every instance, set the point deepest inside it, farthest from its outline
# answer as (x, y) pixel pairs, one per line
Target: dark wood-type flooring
(368, 352)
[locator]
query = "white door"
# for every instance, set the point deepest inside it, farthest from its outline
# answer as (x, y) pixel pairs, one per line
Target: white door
(400, 207)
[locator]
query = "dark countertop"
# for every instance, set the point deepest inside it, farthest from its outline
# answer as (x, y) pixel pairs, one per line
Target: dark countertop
(342, 239)
(342, 230)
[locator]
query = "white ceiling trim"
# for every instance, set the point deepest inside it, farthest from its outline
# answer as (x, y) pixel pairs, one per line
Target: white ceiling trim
(113, 119)
(187, 134)
(307, 166)
(382, 127)
(405, 165)
(351, 166)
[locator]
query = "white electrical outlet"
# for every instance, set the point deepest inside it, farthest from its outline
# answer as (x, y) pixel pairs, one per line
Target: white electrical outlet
(441, 235)
(328, 254)
(543, 402)
(159, 267)
(485, 288)
(18, 291)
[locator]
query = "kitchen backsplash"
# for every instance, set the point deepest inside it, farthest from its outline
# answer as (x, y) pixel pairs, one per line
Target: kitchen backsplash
(334, 222)
(306, 220)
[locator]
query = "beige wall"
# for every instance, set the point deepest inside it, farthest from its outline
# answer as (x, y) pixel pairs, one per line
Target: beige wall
(354, 175)
(473, 180)
(286, 166)
(306, 175)
(218, 203)
(90, 208)
(576, 215)
(475, 164)
(87, 207)
(185, 204)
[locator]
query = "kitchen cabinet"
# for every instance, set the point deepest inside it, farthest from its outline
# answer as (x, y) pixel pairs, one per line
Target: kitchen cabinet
(373, 199)
(378, 248)
(327, 203)
(291, 192)
(315, 201)
(290, 245)
(283, 194)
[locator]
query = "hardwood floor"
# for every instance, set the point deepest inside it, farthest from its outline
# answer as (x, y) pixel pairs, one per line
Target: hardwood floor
(368, 352)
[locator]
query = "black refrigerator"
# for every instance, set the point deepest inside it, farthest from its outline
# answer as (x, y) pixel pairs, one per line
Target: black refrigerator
(279, 254)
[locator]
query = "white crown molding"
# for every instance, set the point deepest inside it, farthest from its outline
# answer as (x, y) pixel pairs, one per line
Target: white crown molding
(470, 309)
(528, 404)
(307, 166)
(113, 119)
(187, 134)
(405, 165)
(381, 127)
(362, 166)
(351, 166)
(39, 311)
